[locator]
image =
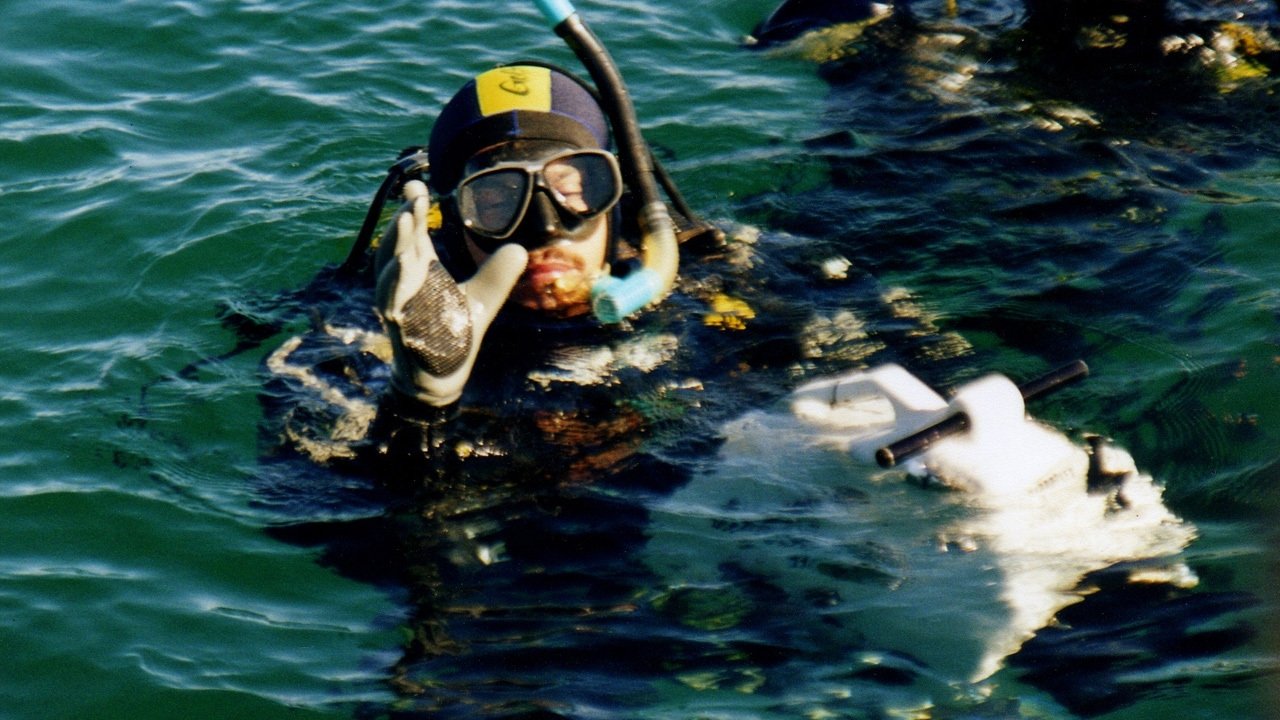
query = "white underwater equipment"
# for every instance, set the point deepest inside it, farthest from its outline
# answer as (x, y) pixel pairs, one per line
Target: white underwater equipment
(981, 440)
(974, 528)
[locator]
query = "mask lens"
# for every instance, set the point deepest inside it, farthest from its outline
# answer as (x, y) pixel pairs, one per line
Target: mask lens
(575, 187)
(585, 184)
(492, 203)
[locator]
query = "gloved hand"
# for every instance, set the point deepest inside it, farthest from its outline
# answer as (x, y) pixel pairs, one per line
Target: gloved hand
(436, 324)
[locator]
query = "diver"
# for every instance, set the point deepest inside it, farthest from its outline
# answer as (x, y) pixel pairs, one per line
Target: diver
(529, 224)
(521, 234)
(520, 246)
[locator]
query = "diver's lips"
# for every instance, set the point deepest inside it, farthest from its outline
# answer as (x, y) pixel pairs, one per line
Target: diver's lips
(548, 271)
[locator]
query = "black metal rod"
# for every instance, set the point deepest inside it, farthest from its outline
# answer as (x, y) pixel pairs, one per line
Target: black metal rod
(892, 454)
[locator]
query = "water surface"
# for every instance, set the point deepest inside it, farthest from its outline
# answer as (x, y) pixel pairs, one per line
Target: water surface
(172, 164)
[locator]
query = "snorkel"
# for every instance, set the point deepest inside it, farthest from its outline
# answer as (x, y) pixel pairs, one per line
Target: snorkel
(614, 298)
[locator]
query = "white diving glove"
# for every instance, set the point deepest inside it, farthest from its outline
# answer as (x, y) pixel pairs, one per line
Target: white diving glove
(435, 324)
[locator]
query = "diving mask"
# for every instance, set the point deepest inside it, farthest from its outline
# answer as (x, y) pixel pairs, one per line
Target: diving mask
(566, 190)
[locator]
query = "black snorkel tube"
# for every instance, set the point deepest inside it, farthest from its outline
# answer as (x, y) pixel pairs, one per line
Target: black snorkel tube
(614, 298)
(411, 164)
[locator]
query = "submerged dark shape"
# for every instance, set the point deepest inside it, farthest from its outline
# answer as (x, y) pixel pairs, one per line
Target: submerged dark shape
(796, 17)
(1117, 20)
(1077, 12)
(1131, 639)
(1065, 31)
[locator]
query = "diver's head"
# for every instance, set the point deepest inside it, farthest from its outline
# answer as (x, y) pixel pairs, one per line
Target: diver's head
(520, 155)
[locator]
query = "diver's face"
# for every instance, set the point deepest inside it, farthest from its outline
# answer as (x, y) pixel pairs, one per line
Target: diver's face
(561, 271)
(556, 205)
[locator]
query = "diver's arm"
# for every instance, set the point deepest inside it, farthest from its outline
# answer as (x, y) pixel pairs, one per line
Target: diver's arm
(435, 324)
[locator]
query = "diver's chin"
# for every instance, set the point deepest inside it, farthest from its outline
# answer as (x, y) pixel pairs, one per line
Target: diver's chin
(555, 284)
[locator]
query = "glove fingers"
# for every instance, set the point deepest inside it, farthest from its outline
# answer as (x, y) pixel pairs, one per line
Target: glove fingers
(411, 229)
(405, 271)
(417, 201)
(414, 189)
(407, 239)
(421, 208)
(406, 230)
(401, 275)
(493, 282)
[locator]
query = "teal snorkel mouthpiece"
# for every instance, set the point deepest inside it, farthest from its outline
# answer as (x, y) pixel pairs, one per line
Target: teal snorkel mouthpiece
(613, 299)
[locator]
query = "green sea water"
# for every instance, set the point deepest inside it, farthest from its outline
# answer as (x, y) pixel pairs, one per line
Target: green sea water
(161, 162)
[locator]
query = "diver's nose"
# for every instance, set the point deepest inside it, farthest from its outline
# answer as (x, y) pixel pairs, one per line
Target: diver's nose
(545, 221)
(544, 215)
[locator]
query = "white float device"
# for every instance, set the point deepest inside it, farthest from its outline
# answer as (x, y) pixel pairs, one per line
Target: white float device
(981, 440)
(954, 572)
